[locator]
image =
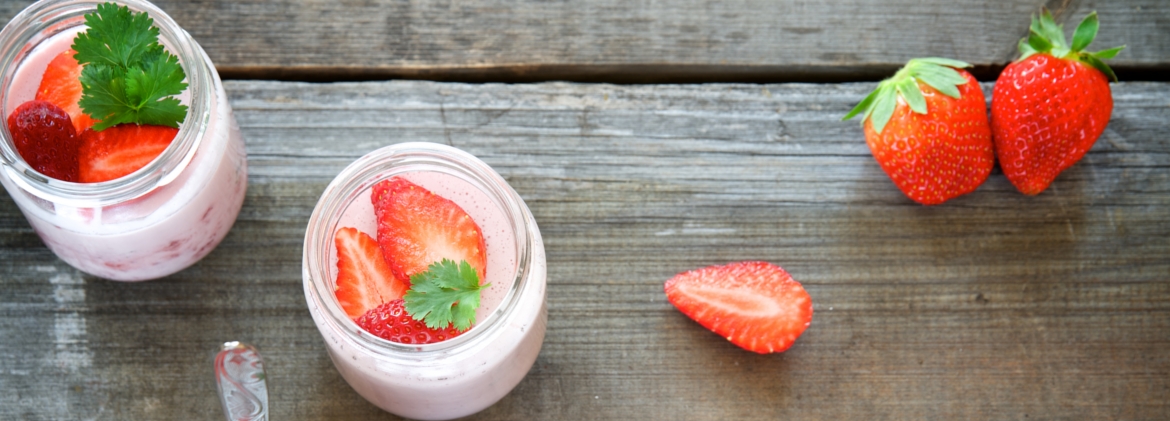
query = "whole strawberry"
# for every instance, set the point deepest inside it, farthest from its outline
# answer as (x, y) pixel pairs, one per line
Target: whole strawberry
(927, 128)
(1051, 105)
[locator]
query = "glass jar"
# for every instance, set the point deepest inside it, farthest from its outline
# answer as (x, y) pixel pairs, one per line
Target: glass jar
(153, 222)
(462, 375)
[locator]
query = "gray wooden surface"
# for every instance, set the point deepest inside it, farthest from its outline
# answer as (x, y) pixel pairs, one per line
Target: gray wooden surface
(639, 41)
(992, 306)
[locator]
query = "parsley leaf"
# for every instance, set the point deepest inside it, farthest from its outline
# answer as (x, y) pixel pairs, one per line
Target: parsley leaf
(128, 76)
(445, 294)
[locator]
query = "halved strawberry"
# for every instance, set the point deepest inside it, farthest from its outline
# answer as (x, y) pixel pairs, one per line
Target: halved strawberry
(390, 321)
(61, 85)
(417, 227)
(44, 137)
(755, 305)
(364, 281)
(121, 150)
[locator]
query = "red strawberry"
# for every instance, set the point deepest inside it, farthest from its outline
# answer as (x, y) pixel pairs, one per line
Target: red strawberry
(927, 128)
(390, 321)
(61, 85)
(755, 305)
(44, 137)
(121, 150)
(417, 228)
(1049, 107)
(363, 279)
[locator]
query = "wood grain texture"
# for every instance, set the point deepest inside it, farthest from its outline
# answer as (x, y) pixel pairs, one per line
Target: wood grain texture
(624, 41)
(992, 306)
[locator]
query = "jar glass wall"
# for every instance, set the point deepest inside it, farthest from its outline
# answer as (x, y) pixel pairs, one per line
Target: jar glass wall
(462, 375)
(155, 221)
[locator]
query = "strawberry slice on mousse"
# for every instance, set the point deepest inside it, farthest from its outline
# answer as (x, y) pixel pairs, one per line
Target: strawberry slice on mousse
(43, 135)
(61, 85)
(364, 280)
(417, 228)
(121, 150)
(390, 321)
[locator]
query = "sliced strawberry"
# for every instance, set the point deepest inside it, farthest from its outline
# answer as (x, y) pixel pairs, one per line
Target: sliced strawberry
(45, 138)
(417, 228)
(364, 281)
(121, 150)
(390, 321)
(755, 305)
(61, 85)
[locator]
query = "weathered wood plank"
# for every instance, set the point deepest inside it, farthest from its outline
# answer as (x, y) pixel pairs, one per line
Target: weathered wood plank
(623, 41)
(993, 306)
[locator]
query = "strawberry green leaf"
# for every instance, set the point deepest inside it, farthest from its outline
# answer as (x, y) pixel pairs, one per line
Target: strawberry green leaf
(1025, 48)
(946, 62)
(944, 75)
(883, 108)
(1046, 37)
(1099, 65)
(1085, 32)
(1060, 52)
(1035, 26)
(1050, 30)
(1108, 54)
(1038, 42)
(446, 294)
(908, 88)
(864, 106)
(128, 76)
(878, 107)
(941, 83)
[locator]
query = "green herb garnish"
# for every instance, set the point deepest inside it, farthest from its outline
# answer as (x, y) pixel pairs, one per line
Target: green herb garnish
(128, 76)
(445, 294)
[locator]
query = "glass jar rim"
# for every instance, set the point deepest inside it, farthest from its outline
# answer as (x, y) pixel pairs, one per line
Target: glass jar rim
(386, 162)
(46, 18)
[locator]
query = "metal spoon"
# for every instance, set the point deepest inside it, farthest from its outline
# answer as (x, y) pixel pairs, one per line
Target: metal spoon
(242, 384)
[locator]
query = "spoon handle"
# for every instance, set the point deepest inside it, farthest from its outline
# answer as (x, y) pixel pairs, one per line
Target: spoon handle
(242, 384)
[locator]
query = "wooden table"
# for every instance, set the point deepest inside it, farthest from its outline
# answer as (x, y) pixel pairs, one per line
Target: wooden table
(993, 306)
